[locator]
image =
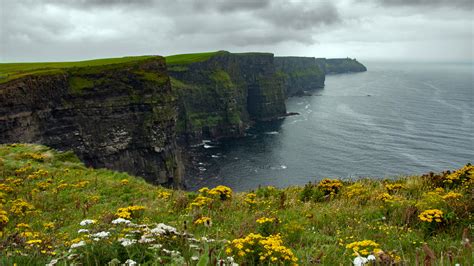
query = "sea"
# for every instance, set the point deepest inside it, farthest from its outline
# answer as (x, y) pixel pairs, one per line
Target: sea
(394, 120)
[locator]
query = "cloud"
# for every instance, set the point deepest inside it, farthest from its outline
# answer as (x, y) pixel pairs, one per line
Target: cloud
(427, 4)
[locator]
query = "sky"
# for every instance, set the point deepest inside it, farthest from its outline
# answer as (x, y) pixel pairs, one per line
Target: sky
(384, 30)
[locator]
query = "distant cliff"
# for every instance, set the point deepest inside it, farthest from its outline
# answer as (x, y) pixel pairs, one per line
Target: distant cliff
(340, 65)
(299, 74)
(120, 114)
(221, 93)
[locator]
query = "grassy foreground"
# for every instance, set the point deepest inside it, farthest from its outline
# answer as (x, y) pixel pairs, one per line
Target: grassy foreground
(55, 210)
(10, 71)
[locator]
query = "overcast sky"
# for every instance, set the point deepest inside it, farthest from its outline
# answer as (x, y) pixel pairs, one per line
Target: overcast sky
(52, 30)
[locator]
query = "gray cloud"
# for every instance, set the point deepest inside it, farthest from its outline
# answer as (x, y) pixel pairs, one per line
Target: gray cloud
(34, 30)
(461, 4)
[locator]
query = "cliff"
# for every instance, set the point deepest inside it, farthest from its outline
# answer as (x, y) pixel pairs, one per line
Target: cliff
(221, 93)
(340, 65)
(115, 113)
(300, 74)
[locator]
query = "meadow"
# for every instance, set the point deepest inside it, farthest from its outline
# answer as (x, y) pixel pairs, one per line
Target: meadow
(56, 211)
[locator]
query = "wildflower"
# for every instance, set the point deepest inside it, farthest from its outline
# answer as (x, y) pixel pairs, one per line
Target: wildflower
(130, 262)
(82, 231)
(3, 218)
(162, 228)
(87, 222)
(393, 187)
(121, 221)
(48, 225)
(34, 241)
(20, 207)
(129, 212)
(452, 196)
(250, 199)
(127, 242)
(385, 197)
(206, 221)
(102, 234)
(124, 182)
(359, 261)
(223, 192)
(78, 245)
(364, 247)
(22, 226)
(52, 262)
(330, 187)
(431, 215)
(200, 201)
(164, 195)
(265, 220)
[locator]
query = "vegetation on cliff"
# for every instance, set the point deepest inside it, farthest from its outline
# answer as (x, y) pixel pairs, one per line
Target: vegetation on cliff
(55, 210)
(10, 71)
(341, 65)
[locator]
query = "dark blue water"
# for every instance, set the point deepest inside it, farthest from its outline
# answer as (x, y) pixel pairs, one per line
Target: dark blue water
(396, 119)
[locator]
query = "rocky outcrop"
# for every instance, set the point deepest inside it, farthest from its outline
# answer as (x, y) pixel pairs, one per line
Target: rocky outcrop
(118, 116)
(300, 74)
(219, 97)
(340, 65)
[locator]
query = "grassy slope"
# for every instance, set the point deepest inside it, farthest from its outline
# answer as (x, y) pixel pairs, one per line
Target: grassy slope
(10, 71)
(189, 58)
(316, 229)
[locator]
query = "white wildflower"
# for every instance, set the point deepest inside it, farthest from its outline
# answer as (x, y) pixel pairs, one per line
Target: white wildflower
(82, 231)
(121, 221)
(127, 242)
(155, 246)
(359, 261)
(162, 228)
(79, 244)
(102, 234)
(371, 257)
(87, 222)
(130, 262)
(194, 258)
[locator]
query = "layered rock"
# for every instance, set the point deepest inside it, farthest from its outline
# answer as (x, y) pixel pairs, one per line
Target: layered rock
(119, 116)
(219, 97)
(300, 74)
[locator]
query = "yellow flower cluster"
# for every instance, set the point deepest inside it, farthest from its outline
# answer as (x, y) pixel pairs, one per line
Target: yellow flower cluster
(385, 197)
(393, 187)
(364, 247)
(355, 190)
(463, 175)
(204, 220)
(38, 174)
(330, 186)
(35, 156)
(250, 199)
(200, 201)
(3, 217)
(124, 182)
(452, 196)
(255, 248)
(6, 188)
(265, 220)
(129, 212)
(164, 195)
(81, 184)
(20, 207)
(223, 192)
(430, 215)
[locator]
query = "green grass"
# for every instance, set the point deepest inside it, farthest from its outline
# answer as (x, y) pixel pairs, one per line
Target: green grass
(54, 187)
(181, 59)
(10, 71)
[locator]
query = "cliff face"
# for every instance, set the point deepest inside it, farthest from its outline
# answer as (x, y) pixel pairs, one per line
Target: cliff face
(220, 96)
(300, 74)
(119, 116)
(340, 65)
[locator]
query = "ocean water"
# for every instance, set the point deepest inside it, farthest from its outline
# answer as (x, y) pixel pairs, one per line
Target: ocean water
(395, 119)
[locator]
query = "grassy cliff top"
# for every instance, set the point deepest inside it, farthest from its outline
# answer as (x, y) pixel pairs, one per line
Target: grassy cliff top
(10, 71)
(53, 207)
(180, 59)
